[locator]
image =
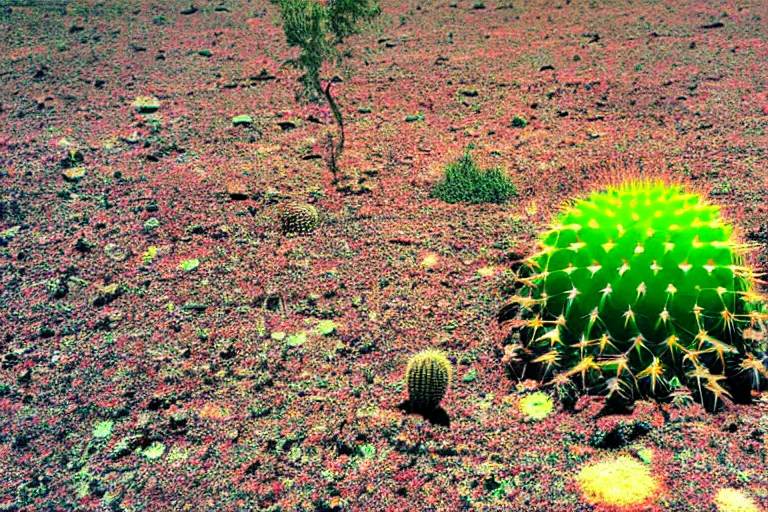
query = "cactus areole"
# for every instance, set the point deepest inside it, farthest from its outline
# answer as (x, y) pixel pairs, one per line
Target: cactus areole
(637, 290)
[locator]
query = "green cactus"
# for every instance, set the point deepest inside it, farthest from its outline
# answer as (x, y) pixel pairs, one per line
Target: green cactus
(636, 287)
(428, 375)
(298, 218)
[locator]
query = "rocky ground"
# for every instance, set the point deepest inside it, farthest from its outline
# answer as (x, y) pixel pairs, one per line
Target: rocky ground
(164, 347)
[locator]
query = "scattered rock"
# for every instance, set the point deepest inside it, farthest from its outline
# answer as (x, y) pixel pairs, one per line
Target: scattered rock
(237, 190)
(84, 245)
(108, 294)
(74, 174)
(146, 104)
(115, 253)
(133, 138)
(194, 306)
(177, 424)
(717, 24)
(263, 76)
(191, 10)
(25, 377)
(242, 120)
(620, 435)
(228, 351)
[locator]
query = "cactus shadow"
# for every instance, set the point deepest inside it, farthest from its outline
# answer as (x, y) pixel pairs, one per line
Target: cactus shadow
(437, 416)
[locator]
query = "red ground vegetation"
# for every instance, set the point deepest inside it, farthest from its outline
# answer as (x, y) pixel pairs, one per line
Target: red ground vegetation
(129, 383)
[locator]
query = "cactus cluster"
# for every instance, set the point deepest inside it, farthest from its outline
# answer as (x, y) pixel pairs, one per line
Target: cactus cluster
(635, 291)
(298, 218)
(428, 375)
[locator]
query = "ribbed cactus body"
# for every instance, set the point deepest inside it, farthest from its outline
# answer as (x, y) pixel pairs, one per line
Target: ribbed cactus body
(428, 375)
(637, 285)
(298, 218)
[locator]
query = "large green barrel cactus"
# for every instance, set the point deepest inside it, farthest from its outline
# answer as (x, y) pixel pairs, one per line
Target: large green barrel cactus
(428, 375)
(636, 290)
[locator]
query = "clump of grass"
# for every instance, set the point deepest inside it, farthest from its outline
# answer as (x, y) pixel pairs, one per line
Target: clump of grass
(519, 122)
(464, 182)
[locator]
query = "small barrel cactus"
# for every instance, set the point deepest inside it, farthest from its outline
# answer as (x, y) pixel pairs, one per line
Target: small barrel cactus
(636, 291)
(428, 375)
(298, 218)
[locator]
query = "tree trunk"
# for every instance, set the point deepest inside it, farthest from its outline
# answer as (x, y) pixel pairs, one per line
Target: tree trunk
(335, 150)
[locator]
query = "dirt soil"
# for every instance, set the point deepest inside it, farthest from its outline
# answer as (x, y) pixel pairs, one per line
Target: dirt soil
(165, 348)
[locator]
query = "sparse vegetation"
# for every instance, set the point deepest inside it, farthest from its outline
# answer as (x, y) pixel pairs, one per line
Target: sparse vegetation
(318, 29)
(464, 182)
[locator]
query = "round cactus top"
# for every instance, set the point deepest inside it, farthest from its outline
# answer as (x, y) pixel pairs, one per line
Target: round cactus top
(641, 259)
(432, 356)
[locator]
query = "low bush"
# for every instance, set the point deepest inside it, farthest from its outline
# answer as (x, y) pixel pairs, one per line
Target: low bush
(464, 182)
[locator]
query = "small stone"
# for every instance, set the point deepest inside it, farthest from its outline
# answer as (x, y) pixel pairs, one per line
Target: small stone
(25, 376)
(108, 294)
(133, 138)
(286, 125)
(237, 190)
(263, 76)
(242, 120)
(84, 245)
(146, 104)
(73, 174)
(115, 253)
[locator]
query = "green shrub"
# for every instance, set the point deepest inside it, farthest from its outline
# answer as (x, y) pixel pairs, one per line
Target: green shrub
(464, 182)
(519, 122)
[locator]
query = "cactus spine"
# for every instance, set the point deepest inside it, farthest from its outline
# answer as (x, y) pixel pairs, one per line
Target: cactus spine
(640, 288)
(428, 375)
